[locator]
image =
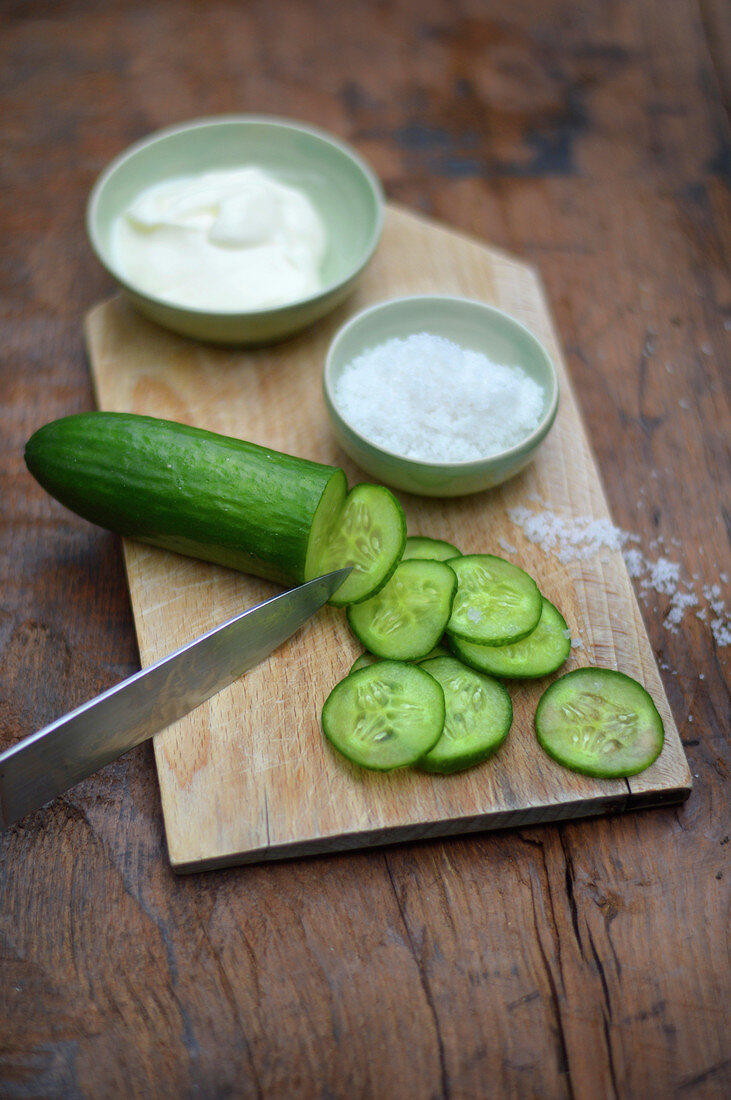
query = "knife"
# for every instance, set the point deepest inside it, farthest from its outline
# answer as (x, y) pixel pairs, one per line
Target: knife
(73, 747)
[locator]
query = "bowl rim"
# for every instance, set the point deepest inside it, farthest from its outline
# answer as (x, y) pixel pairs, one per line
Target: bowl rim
(276, 122)
(468, 466)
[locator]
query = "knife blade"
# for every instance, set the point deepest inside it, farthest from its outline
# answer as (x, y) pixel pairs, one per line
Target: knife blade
(48, 762)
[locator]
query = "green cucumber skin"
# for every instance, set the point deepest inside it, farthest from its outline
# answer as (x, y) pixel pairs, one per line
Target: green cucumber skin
(487, 659)
(586, 767)
(184, 489)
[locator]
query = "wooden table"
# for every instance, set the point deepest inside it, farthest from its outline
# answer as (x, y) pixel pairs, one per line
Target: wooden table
(578, 960)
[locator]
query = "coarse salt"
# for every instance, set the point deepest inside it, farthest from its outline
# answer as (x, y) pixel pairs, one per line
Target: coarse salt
(572, 538)
(426, 398)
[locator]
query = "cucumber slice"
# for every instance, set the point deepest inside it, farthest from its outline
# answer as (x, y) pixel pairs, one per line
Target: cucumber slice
(368, 533)
(496, 602)
(438, 651)
(599, 722)
(541, 652)
(418, 546)
(386, 716)
(367, 659)
(477, 719)
(406, 619)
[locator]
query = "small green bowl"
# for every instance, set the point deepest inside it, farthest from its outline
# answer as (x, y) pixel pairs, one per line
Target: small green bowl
(343, 189)
(472, 325)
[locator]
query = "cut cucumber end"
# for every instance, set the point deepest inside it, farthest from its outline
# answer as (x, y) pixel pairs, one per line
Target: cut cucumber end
(367, 532)
(599, 722)
(323, 524)
(385, 716)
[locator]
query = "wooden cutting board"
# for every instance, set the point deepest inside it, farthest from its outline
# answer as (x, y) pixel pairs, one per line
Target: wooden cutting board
(248, 776)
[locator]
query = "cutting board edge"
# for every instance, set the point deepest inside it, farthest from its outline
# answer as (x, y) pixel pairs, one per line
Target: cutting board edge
(514, 259)
(611, 804)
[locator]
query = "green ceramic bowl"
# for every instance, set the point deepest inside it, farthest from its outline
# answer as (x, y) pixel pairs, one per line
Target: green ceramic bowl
(472, 325)
(342, 187)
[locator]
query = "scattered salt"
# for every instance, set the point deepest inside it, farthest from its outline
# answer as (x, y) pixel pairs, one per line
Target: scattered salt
(721, 631)
(579, 538)
(567, 539)
(507, 546)
(426, 398)
(635, 561)
(679, 602)
(474, 614)
(663, 576)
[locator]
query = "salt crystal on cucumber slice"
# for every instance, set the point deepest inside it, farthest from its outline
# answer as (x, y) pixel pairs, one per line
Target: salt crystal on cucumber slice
(540, 653)
(496, 603)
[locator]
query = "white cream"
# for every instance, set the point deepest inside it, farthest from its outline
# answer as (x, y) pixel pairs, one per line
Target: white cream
(229, 240)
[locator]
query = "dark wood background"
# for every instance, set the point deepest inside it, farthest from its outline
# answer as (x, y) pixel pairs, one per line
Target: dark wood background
(580, 960)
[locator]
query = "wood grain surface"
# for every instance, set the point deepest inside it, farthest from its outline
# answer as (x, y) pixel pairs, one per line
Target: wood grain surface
(248, 776)
(576, 960)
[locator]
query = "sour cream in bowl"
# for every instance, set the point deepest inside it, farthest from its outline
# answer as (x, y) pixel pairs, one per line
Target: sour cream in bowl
(230, 239)
(240, 229)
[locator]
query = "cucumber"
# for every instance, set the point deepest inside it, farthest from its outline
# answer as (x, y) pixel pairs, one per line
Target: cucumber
(363, 661)
(366, 659)
(599, 722)
(478, 716)
(541, 652)
(496, 602)
(369, 535)
(385, 716)
(210, 496)
(419, 546)
(406, 618)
